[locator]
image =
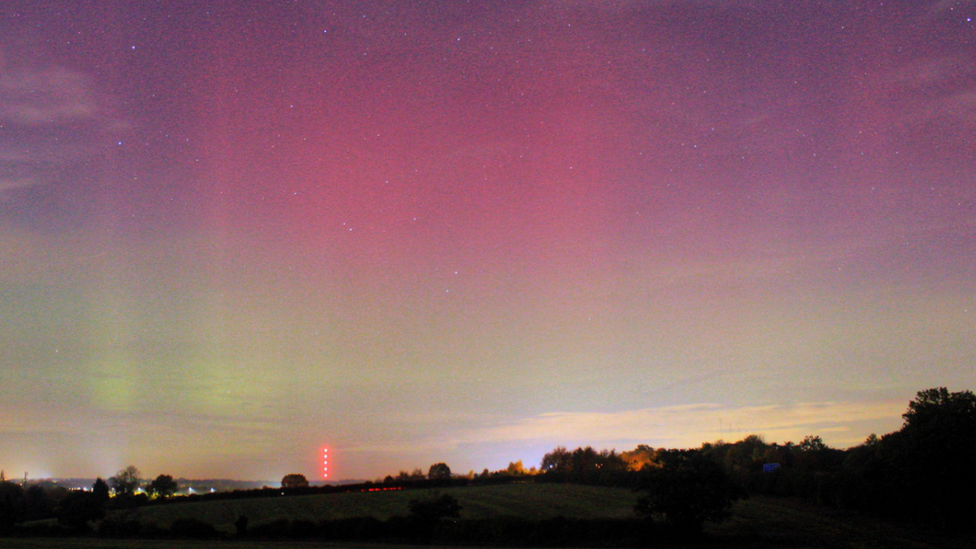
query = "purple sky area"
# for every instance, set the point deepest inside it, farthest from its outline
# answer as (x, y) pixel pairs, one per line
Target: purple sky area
(232, 232)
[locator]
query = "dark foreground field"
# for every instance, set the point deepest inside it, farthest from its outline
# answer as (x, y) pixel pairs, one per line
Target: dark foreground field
(761, 522)
(528, 501)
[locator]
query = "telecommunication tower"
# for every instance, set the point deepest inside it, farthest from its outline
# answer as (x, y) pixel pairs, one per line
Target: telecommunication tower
(325, 463)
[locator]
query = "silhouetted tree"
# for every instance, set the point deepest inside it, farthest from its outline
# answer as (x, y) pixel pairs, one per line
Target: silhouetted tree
(640, 457)
(126, 481)
(439, 471)
(163, 486)
(100, 490)
(938, 442)
(241, 526)
(583, 461)
(557, 461)
(79, 508)
(940, 410)
(811, 443)
(37, 503)
(404, 476)
(11, 500)
(688, 489)
(515, 468)
(584, 465)
(294, 480)
(923, 471)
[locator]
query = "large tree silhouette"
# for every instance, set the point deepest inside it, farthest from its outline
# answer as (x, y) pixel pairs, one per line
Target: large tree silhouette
(439, 471)
(162, 487)
(938, 445)
(294, 480)
(126, 481)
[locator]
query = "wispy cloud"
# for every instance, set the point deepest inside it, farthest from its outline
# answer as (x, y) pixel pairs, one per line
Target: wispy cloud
(52, 119)
(960, 107)
(945, 87)
(840, 423)
(49, 96)
(8, 184)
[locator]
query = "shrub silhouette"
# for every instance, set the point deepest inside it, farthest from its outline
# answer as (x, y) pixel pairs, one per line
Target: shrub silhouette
(190, 528)
(688, 489)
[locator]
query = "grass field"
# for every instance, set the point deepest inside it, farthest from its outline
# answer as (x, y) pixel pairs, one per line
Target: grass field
(534, 501)
(791, 522)
(757, 522)
(531, 501)
(179, 544)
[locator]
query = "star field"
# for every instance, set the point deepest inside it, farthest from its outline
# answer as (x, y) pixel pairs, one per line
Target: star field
(233, 233)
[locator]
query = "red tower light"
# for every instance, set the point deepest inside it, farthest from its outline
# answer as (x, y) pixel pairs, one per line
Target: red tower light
(325, 463)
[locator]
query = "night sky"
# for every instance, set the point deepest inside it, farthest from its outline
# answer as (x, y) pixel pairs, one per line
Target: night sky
(232, 233)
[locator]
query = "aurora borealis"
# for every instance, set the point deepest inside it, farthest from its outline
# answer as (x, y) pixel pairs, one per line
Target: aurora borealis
(233, 232)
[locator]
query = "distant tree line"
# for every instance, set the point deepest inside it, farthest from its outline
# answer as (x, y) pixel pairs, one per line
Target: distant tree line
(76, 510)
